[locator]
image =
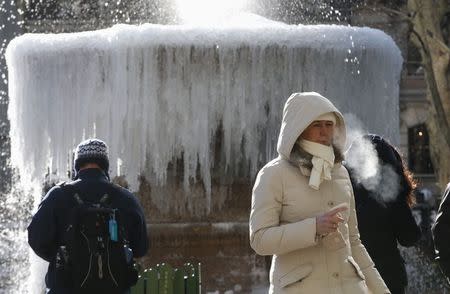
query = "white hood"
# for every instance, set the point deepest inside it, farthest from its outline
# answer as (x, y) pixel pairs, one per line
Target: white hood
(300, 110)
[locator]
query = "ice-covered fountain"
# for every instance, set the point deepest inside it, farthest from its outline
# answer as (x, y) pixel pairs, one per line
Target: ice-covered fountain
(190, 115)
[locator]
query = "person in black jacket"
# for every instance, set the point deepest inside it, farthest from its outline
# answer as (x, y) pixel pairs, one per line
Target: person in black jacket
(441, 234)
(383, 209)
(48, 226)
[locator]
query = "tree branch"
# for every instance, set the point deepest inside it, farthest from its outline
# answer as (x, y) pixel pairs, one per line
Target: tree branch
(422, 43)
(433, 87)
(439, 42)
(406, 16)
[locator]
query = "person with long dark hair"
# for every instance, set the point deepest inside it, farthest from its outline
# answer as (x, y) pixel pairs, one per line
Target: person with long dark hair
(383, 207)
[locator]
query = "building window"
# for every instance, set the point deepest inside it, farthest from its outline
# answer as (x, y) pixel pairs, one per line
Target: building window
(419, 150)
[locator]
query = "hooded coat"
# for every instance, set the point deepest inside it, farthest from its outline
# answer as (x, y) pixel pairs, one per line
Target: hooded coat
(284, 209)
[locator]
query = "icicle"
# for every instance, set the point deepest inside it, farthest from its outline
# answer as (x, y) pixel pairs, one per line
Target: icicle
(155, 93)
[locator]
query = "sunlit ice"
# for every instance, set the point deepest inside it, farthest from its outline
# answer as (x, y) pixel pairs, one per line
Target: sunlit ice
(207, 11)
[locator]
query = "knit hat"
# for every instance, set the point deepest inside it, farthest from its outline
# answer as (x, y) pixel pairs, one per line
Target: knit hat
(91, 151)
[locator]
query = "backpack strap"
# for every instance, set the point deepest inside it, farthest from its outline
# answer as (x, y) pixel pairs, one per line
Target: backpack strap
(105, 200)
(69, 188)
(78, 199)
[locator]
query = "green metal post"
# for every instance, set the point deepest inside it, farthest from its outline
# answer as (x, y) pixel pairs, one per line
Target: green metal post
(165, 279)
(178, 282)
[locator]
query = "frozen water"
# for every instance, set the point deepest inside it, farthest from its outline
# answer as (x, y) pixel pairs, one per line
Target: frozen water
(156, 93)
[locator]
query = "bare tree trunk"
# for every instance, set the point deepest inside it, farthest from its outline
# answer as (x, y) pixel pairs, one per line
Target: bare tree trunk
(427, 17)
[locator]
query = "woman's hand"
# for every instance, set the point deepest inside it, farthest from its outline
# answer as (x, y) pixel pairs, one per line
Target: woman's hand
(329, 221)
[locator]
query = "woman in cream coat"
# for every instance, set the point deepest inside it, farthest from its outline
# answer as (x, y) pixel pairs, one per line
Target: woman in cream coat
(303, 209)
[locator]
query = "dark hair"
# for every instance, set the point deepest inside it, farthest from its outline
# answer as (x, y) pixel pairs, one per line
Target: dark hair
(388, 154)
(409, 183)
(412, 184)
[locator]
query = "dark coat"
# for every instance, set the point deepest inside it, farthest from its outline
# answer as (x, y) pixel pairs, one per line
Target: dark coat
(441, 233)
(46, 230)
(382, 224)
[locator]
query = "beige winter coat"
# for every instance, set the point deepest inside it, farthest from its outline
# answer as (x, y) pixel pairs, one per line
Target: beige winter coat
(284, 207)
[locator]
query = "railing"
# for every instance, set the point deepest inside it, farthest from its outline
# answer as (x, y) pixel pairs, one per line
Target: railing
(163, 279)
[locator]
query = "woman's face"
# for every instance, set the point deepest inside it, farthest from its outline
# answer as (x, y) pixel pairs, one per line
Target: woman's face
(319, 131)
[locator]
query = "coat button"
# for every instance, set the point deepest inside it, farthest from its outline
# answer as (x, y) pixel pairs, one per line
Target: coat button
(336, 275)
(330, 203)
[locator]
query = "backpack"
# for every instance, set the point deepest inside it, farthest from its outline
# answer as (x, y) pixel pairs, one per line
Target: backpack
(96, 257)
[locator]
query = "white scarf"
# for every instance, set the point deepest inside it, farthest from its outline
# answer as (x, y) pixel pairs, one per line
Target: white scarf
(322, 161)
